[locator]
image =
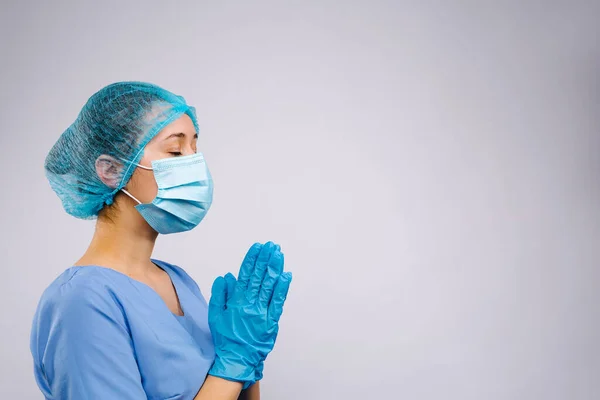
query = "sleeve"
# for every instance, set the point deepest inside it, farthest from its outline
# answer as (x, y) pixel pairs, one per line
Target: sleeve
(89, 353)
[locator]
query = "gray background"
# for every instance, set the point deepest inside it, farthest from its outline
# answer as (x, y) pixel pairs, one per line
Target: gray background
(430, 170)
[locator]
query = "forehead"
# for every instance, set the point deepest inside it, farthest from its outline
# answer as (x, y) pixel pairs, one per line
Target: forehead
(158, 112)
(182, 124)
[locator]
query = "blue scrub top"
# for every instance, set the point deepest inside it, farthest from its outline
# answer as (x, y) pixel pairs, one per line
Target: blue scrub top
(99, 334)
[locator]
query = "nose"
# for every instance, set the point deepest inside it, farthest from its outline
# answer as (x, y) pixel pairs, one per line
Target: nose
(189, 150)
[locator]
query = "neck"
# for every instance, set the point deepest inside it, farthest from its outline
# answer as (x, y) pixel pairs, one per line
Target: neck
(124, 244)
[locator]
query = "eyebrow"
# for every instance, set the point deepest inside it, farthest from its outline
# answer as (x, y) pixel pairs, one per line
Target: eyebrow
(179, 135)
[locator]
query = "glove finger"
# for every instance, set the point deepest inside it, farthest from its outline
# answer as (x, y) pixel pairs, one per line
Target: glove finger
(279, 295)
(259, 271)
(274, 270)
(230, 283)
(247, 268)
(218, 296)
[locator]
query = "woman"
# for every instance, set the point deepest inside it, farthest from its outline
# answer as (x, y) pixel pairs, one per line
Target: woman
(119, 324)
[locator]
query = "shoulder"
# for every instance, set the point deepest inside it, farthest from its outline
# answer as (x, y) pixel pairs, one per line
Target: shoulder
(80, 306)
(80, 291)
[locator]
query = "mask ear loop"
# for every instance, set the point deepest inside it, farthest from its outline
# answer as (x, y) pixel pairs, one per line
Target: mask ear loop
(130, 195)
(138, 165)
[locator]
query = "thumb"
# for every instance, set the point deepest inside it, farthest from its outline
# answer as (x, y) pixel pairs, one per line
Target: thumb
(218, 296)
(230, 283)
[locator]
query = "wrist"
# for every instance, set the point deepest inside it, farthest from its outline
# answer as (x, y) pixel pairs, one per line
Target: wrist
(237, 371)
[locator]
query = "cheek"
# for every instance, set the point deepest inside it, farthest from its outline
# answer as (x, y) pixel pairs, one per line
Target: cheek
(143, 186)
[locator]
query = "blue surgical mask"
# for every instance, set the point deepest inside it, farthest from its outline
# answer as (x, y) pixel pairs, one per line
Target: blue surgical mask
(185, 189)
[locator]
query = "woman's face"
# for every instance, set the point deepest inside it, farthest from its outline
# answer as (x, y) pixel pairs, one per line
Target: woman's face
(175, 140)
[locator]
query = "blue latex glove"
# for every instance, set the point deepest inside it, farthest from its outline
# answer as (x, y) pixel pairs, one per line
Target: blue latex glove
(258, 372)
(244, 317)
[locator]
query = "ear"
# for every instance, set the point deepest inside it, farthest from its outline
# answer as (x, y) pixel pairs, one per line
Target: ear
(109, 170)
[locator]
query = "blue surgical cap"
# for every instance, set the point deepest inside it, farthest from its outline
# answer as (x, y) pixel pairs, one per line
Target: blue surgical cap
(118, 121)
